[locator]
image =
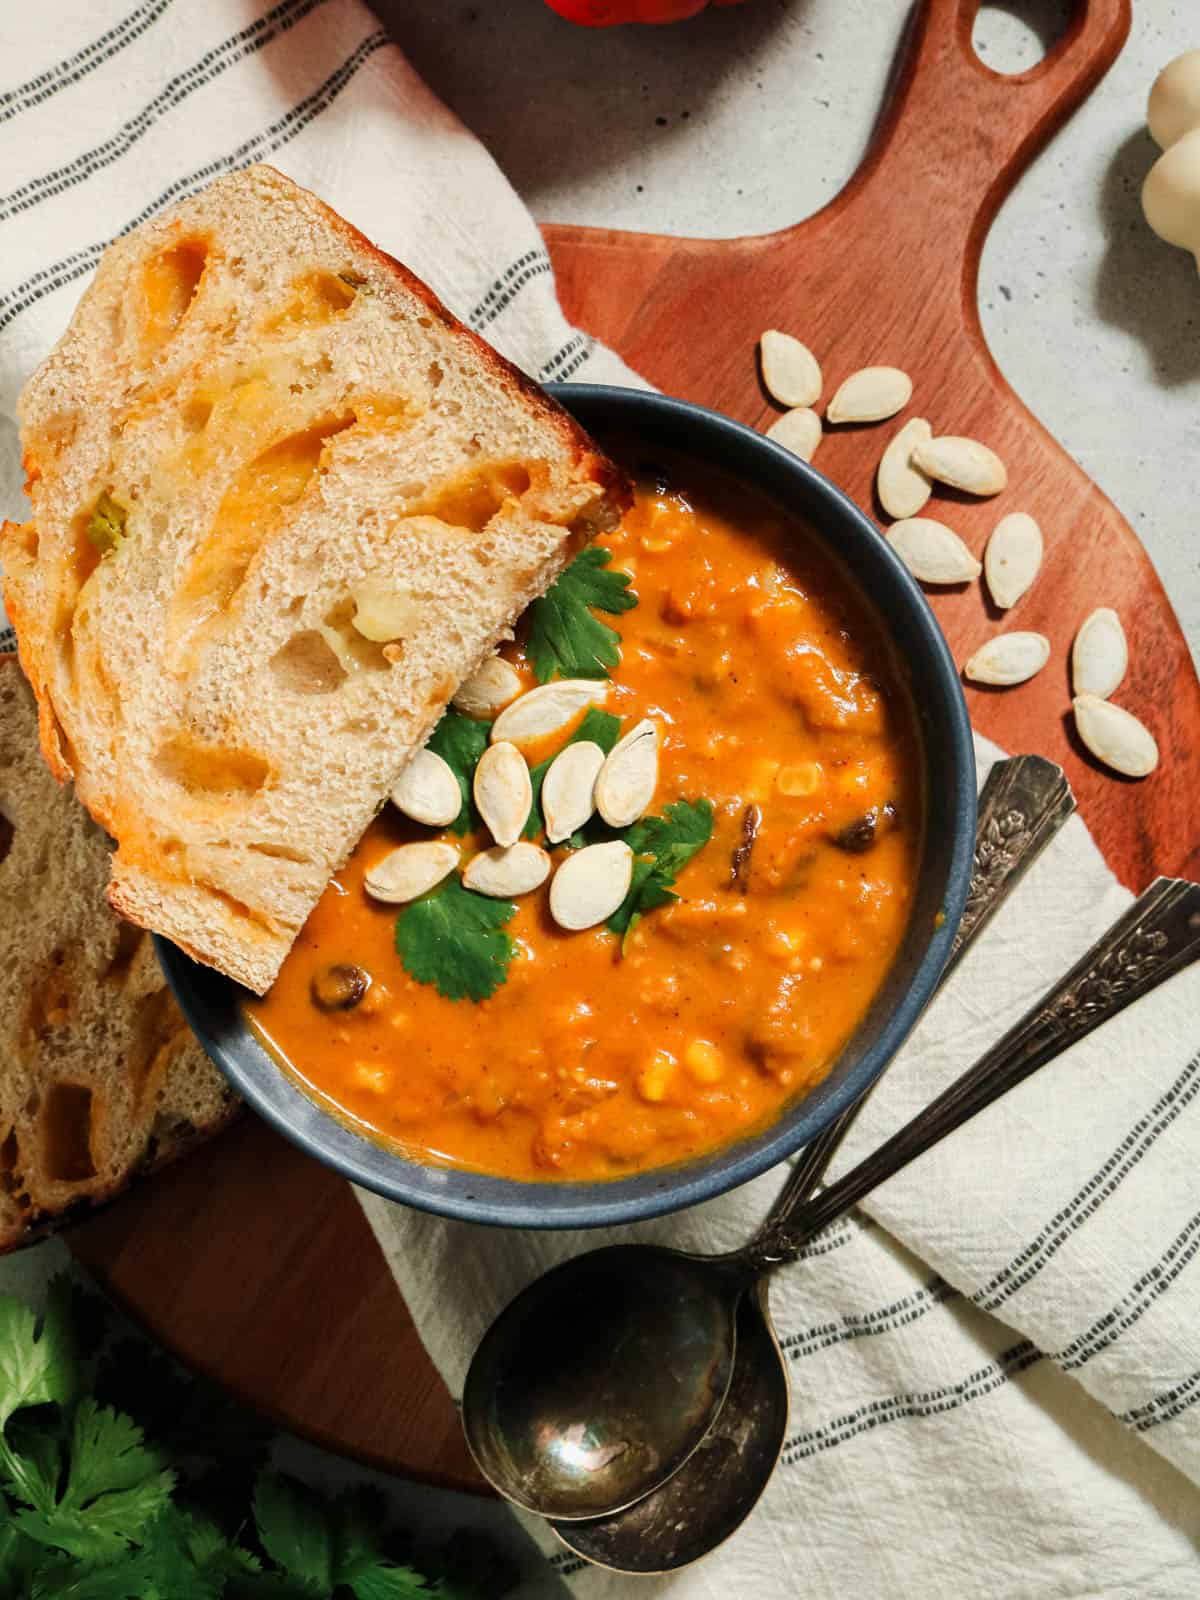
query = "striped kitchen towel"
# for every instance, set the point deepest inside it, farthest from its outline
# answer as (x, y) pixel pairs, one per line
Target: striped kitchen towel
(995, 1366)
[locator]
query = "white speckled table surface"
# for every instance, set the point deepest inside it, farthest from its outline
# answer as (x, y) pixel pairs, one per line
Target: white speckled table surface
(749, 119)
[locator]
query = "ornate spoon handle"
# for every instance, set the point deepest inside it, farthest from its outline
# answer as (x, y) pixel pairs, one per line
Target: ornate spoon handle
(1024, 802)
(1157, 937)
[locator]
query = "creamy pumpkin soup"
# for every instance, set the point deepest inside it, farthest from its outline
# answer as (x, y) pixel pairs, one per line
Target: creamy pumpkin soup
(705, 895)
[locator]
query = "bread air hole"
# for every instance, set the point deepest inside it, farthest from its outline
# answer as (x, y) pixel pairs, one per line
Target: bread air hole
(66, 1130)
(211, 769)
(129, 942)
(51, 999)
(307, 665)
(12, 1179)
(7, 834)
(472, 499)
(316, 299)
(170, 281)
(253, 508)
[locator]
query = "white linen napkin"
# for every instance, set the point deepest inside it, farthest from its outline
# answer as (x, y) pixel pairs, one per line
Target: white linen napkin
(981, 1359)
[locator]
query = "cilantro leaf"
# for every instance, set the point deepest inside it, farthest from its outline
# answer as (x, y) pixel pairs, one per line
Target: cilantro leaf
(362, 1563)
(452, 939)
(35, 1366)
(663, 846)
(564, 637)
(295, 1529)
(600, 727)
(460, 741)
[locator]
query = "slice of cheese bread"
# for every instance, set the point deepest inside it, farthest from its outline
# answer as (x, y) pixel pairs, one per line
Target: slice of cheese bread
(100, 1077)
(283, 504)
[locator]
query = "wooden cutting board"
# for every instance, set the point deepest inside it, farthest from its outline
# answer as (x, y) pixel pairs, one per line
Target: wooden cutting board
(251, 1261)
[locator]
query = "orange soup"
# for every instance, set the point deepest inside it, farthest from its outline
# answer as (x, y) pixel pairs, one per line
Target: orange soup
(781, 718)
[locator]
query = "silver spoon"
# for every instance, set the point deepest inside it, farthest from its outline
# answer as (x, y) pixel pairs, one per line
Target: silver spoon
(719, 1485)
(568, 1426)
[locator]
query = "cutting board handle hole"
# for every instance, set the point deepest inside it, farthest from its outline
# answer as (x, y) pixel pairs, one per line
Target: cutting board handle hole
(1013, 36)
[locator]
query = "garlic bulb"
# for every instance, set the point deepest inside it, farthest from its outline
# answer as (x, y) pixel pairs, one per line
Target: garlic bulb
(1171, 193)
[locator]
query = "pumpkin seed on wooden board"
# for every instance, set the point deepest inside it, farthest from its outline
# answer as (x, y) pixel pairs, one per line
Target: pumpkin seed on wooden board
(590, 885)
(506, 871)
(427, 790)
(629, 776)
(503, 791)
(963, 464)
(489, 690)
(1013, 558)
(569, 788)
(1100, 655)
(409, 871)
(903, 489)
(870, 395)
(1009, 658)
(1115, 737)
(931, 551)
(790, 371)
(547, 709)
(798, 430)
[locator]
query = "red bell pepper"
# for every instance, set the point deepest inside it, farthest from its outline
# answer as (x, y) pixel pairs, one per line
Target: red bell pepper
(606, 13)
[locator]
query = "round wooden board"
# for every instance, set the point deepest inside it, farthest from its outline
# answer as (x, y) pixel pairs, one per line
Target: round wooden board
(253, 1263)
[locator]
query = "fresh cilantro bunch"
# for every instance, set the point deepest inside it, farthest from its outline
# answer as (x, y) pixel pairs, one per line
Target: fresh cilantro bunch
(121, 1480)
(662, 847)
(564, 637)
(454, 939)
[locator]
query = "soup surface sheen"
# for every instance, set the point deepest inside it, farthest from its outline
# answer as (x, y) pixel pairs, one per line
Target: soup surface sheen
(776, 700)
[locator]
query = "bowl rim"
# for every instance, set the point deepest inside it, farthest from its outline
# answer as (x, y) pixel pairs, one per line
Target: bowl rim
(553, 1204)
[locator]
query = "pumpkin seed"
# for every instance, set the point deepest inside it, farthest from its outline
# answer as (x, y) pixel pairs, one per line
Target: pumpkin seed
(870, 395)
(409, 871)
(427, 790)
(1115, 737)
(1009, 658)
(798, 430)
(962, 463)
(1013, 558)
(546, 710)
(489, 690)
(931, 551)
(1100, 655)
(903, 490)
(629, 776)
(503, 791)
(590, 885)
(569, 787)
(506, 871)
(790, 371)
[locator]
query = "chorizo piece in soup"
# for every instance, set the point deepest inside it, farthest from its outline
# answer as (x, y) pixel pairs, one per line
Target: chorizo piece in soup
(766, 905)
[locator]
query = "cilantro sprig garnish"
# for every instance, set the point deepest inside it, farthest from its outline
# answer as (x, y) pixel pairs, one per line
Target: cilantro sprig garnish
(460, 741)
(600, 727)
(564, 636)
(124, 1479)
(453, 939)
(662, 847)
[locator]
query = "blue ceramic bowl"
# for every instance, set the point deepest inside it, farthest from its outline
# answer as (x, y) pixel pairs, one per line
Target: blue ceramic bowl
(212, 1004)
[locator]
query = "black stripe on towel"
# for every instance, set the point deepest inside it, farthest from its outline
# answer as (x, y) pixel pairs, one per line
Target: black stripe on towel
(911, 1308)
(1163, 1406)
(533, 264)
(281, 132)
(566, 361)
(209, 67)
(918, 1405)
(8, 638)
(64, 73)
(1132, 1308)
(1095, 1192)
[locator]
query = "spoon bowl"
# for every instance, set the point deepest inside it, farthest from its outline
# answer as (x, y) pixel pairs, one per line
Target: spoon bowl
(602, 1378)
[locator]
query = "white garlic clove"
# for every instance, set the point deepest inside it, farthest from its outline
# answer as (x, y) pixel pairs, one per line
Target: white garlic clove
(963, 464)
(427, 790)
(569, 789)
(790, 371)
(629, 776)
(488, 690)
(503, 791)
(903, 489)
(870, 395)
(931, 551)
(798, 430)
(504, 872)
(547, 709)
(1115, 736)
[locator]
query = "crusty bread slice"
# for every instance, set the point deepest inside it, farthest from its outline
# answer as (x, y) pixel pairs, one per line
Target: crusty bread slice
(100, 1077)
(257, 432)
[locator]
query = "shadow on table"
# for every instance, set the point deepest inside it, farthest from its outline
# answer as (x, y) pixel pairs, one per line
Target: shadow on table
(547, 97)
(1145, 286)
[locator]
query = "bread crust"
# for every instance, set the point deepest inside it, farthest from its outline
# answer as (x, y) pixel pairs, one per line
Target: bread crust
(183, 865)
